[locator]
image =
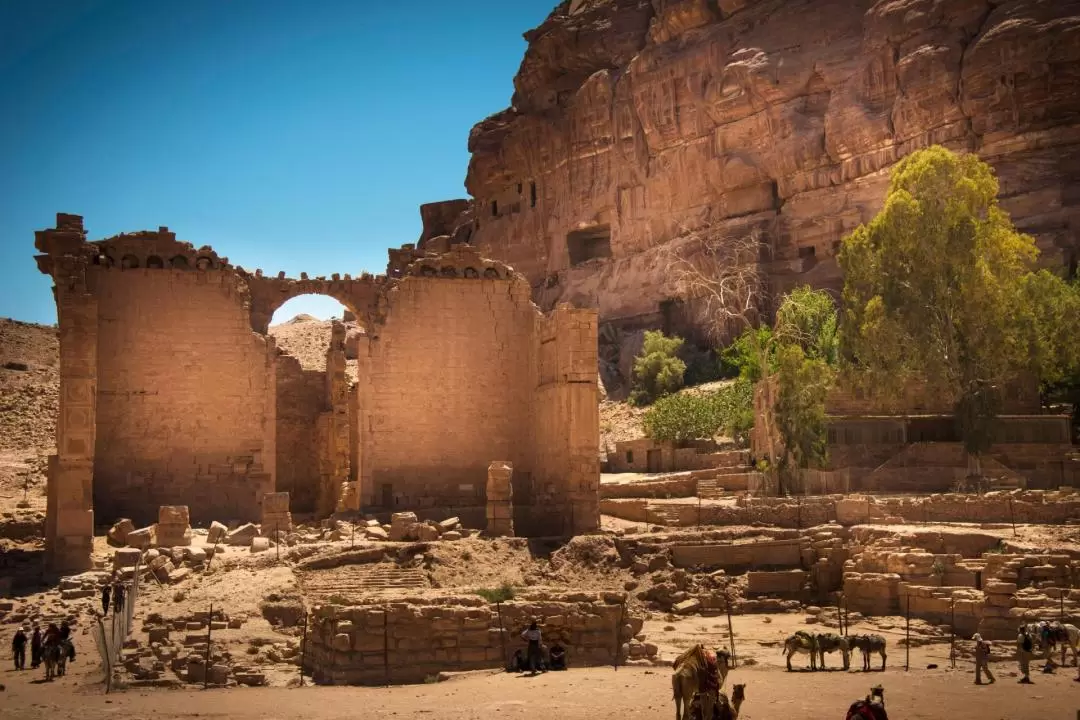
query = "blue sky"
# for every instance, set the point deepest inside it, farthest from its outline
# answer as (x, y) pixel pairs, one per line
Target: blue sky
(290, 135)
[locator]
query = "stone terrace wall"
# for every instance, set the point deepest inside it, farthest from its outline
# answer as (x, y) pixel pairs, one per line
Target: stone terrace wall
(301, 398)
(405, 642)
(677, 485)
(185, 399)
(1034, 506)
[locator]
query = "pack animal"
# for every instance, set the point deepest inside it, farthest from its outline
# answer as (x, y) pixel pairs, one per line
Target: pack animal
(801, 642)
(831, 642)
(723, 709)
(1048, 635)
(698, 672)
(868, 645)
(872, 708)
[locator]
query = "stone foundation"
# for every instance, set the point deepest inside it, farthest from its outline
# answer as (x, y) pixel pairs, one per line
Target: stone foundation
(173, 526)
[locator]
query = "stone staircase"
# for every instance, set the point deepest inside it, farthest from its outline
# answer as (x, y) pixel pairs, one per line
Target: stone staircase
(361, 580)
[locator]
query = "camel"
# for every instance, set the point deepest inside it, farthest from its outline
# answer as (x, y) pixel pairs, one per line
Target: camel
(801, 642)
(872, 708)
(723, 709)
(831, 642)
(868, 644)
(1047, 635)
(698, 672)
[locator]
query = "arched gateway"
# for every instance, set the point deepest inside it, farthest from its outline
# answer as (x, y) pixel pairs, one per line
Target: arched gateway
(169, 389)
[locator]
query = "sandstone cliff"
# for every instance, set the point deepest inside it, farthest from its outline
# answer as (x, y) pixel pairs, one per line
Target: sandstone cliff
(635, 121)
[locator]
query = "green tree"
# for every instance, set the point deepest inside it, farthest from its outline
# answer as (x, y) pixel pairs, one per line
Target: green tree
(657, 369)
(681, 417)
(735, 410)
(802, 385)
(938, 290)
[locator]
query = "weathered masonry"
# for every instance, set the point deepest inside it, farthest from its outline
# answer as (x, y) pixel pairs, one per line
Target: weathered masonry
(171, 393)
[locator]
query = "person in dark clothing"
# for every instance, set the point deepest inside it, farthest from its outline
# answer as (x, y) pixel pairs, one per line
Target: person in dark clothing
(18, 649)
(106, 592)
(535, 657)
(65, 637)
(118, 598)
(518, 664)
(558, 657)
(35, 647)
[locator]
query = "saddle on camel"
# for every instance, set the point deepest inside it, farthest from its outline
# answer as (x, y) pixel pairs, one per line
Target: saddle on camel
(697, 671)
(872, 708)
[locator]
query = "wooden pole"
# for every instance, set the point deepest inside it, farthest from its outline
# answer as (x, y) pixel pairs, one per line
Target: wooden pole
(952, 633)
(907, 634)
(206, 667)
(730, 632)
(502, 633)
(303, 650)
(1012, 517)
(618, 634)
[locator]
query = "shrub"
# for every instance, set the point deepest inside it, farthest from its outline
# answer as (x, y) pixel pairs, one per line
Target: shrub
(682, 417)
(735, 410)
(657, 370)
(497, 595)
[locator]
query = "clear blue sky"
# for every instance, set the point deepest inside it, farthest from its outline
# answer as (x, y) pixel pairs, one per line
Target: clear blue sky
(290, 135)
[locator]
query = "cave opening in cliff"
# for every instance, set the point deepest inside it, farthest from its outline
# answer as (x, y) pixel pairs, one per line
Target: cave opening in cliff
(589, 243)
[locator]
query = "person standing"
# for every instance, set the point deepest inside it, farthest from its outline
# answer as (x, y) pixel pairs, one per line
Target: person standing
(118, 598)
(532, 636)
(982, 659)
(18, 648)
(1023, 653)
(106, 592)
(35, 647)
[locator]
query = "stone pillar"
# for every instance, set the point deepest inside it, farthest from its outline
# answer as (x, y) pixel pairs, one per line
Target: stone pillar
(174, 526)
(275, 514)
(334, 428)
(500, 499)
(69, 519)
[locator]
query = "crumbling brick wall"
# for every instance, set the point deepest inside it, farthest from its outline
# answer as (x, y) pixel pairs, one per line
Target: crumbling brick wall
(301, 397)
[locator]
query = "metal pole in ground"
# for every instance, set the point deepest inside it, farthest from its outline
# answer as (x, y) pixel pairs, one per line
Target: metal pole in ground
(907, 634)
(618, 635)
(206, 667)
(730, 632)
(1012, 517)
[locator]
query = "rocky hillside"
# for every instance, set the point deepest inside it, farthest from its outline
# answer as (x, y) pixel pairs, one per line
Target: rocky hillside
(306, 338)
(29, 397)
(634, 121)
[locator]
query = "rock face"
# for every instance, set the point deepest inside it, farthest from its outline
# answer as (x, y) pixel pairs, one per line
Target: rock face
(634, 122)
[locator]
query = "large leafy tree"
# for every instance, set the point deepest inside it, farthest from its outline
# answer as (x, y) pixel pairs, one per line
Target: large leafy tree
(939, 290)
(658, 371)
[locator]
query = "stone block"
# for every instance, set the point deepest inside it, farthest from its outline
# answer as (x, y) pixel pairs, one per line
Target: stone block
(242, 535)
(173, 515)
(173, 536)
(158, 634)
(126, 557)
(999, 588)
(277, 502)
(217, 533)
(195, 555)
(260, 544)
(451, 535)
(142, 538)
(196, 669)
(426, 533)
(449, 524)
(119, 531)
(687, 606)
(376, 533)
(179, 575)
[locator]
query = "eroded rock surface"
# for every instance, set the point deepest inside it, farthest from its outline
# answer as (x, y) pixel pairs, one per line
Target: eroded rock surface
(633, 122)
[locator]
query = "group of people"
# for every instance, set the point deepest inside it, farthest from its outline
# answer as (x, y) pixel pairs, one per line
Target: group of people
(114, 594)
(38, 641)
(533, 658)
(1025, 648)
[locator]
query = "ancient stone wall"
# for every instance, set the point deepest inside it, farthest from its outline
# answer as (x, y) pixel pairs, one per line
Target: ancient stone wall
(634, 121)
(406, 642)
(301, 396)
(184, 396)
(169, 391)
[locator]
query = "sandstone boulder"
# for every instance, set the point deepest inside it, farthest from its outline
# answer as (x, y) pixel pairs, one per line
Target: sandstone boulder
(242, 535)
(260, 544)
(217, 533)
(126, 557)
(142, 538)
(376, 533)
(119, 531)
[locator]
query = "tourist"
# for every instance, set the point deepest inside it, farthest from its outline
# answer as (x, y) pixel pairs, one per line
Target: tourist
(558, 657)
(35, 647)
(118, 598)
(1023, 653)
(65, 637)
(18, 648)
(532, 636)
(106, 591)
(982, 659)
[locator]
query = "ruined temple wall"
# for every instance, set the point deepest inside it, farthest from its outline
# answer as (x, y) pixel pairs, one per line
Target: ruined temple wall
(300, 398)
(447, 387)
(184, 411)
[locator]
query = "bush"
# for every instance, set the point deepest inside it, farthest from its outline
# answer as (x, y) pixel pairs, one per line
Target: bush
(703, 367)
(500, 594)
(657, 370)
(682, 417)
(735, 409)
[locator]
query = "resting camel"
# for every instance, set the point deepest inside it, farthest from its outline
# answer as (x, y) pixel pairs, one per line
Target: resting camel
(868, 645)
(1047, 635)
(831, 642)
(723, 709)
(801, 642)
(698, 672)
(872, 708)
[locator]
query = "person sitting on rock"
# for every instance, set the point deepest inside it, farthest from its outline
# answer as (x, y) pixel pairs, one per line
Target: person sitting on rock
(517, 664)
(558, 657)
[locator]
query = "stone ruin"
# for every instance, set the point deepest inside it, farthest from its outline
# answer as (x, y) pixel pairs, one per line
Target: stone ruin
(171, 393)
